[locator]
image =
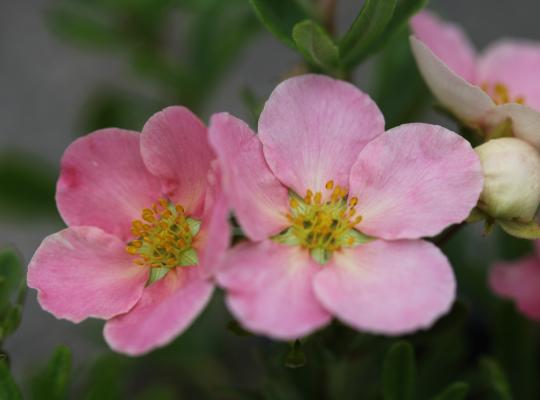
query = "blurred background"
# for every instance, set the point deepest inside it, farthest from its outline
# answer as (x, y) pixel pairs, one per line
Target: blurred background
(70, 67)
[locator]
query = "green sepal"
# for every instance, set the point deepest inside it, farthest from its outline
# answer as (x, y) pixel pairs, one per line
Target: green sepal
(523, 230)
(456, 391)
(287, 237)
(295, 357)
(316, 45)
(476, 215)
(156, 274)
(358, 238)
(320, 255)
(504, 129)
(194, 226)
(189, 257)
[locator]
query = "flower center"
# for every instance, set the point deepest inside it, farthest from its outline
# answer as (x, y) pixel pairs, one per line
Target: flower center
(500, 94)
(164, 237)
(323, 226)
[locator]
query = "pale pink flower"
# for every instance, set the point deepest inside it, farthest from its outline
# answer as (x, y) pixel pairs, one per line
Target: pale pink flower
(481, 90)
(136, 205)
(519, 281)
(318, 178)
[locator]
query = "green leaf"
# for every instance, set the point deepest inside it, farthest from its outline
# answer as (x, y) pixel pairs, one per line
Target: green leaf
(295, 358)
(52, 382)
(11, 276)
(456, 391)
(156, 274)
(399, 373)
(27, 186)
(280, 16)
(496, 378)
(530, 230)
(8, 388)
(365, 30)
(316, 45)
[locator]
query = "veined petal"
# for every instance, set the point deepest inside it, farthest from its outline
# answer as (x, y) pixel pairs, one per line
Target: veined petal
(448, 42)
(174, 147)
(468, 102)
(312, 129)
(387, 287)
(84, 272)
(269, 289)
(103, 182)
(414, 181)
(259, 200)
(166, 308)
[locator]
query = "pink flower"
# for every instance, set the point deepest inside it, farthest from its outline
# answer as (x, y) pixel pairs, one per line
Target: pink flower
(481, 90)
(321, 176)
(136, 206)
(520, 281)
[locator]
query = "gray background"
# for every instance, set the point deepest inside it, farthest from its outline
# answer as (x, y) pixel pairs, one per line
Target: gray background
(44, 83)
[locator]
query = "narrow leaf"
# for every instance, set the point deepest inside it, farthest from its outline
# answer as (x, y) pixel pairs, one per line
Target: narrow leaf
(280, 16)
(11, 275)
(456, 391)
(8, 388)
(52, 382)
(365, 30)
(399, 373)
(316, 45)
(496, 378)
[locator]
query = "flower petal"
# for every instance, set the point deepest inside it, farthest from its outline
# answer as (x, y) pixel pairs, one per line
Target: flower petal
(167, 308)
(84, 272)
(174, 146)
(448, 42)
(415, 180)
(312, 129)
(215, 235)
(466, 101)
(519, 281)
(103, 182)
(259, 200)
(515, 64)
(525, 121)
(269, 290)
(387, 287)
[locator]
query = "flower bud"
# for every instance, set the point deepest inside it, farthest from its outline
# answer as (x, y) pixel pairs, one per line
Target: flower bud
(511, 179)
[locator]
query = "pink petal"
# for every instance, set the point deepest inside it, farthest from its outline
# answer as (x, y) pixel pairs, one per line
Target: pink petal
(448, 42)
(525, 121)
(269, 289)
(516, 64)
(414, 181)
(259, 200)
(103, 182)
(84, 272)
(466, 101)
(312, 129)
(387, 287)
(215, 235)
(166, 309)
(519, 281)
(174, 146)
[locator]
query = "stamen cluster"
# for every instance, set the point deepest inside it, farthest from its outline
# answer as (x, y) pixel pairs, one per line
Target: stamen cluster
(324, 224)
(500, 94)
(164, 236)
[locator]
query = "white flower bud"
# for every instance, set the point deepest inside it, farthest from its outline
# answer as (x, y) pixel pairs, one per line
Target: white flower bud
(511, 179)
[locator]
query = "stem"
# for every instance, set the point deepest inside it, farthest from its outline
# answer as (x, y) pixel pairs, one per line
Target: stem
(328, 12)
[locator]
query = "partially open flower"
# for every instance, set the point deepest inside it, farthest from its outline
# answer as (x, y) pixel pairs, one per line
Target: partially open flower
(141, 210)
(335, 209)
(511, 179)
(483, 91)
